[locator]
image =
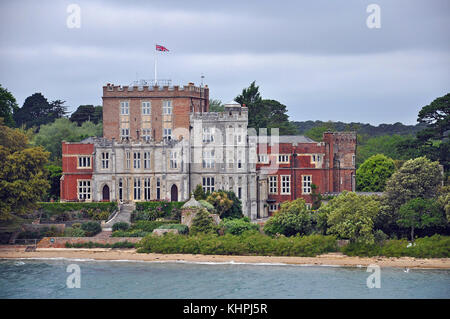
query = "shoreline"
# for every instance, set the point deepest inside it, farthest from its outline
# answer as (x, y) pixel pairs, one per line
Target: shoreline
(331, 259)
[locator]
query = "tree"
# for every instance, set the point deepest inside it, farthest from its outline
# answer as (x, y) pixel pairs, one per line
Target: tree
(22, 174)
(372, 175)
(85, 113)
(215, 105)
(419, 213)
(199, 194)
(8, 106)
(265, 113)
(316, 133)
(54, 176)
(203, 223)
(437, 117)
(292, 218)
(351, 216)
(418, 177)
(36, 111)
(221, 202)
(50, 136)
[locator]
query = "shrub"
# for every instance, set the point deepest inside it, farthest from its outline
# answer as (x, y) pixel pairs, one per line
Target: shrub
(203, 223)
(130, 233)
(122, 244)
(238, 226)
(91, 228)
(209, 207)
(120, 226)
(149, 226)
(292, 218)
(74, 232)
(182, 229)
(56, 208)
(249, 243)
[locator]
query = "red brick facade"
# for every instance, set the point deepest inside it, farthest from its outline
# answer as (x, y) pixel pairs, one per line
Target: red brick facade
(72, 172)
(185, 99)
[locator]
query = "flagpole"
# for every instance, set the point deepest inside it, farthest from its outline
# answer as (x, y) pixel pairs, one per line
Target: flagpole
(156, 81)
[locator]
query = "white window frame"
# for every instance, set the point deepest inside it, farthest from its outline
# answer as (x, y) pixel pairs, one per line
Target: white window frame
(137, 188)
(84, 190)
(167, 133)
(273, 207)
(173, 164)
(306, 184)
(128, 159)
(273, 184)
(208, 134)
(84, 161)
(146, 134)
(208, 159)
(124, 133)
(136, 160)
(146, 108)
(147, 188)
(124, 108)
(283, 158)
(285, 181)
(263, 158)
(105, 160)
(167, 107)
(158, 188)
(146, 160)
(208, 184)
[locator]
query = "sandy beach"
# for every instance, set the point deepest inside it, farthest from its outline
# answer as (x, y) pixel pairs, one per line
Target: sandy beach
(332, 259)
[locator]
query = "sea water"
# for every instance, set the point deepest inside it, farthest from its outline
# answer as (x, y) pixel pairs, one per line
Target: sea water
(47, 278)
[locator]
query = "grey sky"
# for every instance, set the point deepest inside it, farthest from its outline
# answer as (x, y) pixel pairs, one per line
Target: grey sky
(317, 57)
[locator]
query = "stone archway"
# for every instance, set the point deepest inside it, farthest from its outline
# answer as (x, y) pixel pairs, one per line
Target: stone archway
(105, 193)
(174, 193)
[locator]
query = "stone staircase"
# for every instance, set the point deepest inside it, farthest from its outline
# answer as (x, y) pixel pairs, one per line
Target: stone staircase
(123, 215)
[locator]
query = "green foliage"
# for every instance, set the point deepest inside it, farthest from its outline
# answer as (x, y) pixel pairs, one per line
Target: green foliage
(292, 218)
(120, 226)
(372, 175)
(416, 178)
(50, 136)
(37, 111)
(23, 179)
(237, 226)
(199, 194)
(182, 229)
(54, 175)
(215, 105)
(250, 243)
(87, 113)
(157, 209)
(316, 132)
(419, 213)
(74, 232)
(122, 244)
(436, 246)
(203, 223)
(265, 113)
(91, 228)
(8, 106)
(351, 216)
(226, 204)
(149, 226)
(58, 208)
(129, 233)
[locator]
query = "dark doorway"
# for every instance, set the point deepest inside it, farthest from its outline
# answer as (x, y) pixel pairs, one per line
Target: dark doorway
(106, 193)
(174, 193)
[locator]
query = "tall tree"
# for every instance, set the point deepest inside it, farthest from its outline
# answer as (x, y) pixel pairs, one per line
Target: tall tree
(22, 173)
(215, 105)
(86, 113)
(372, 175)
(36, 111)
(8, 106)
(265, 113)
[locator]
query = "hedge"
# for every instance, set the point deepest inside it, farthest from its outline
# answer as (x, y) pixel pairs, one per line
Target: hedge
(157, 209)
(55, 208)
(141, 228)
(182, 229)
(436, 246)
(250, 243)
(123, 244)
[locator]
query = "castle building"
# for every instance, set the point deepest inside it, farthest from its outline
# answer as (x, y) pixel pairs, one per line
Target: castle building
(159, 143)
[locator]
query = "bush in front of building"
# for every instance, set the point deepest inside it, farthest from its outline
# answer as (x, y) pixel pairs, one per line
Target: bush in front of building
(182, 229)
(203, 223)
(237, 226)
(91, 228)
(120, 226)
(158, 209)
(249, 243)
(56, 208)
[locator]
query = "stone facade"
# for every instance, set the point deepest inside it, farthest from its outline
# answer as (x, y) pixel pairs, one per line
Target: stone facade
(212, 149)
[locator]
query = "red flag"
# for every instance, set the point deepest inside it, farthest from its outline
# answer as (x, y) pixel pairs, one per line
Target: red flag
(161, 48)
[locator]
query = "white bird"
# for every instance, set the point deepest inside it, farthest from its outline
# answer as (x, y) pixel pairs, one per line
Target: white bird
(406, 270)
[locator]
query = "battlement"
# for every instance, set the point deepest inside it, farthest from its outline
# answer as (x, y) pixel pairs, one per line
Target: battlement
(190, 89)
(235, 114)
